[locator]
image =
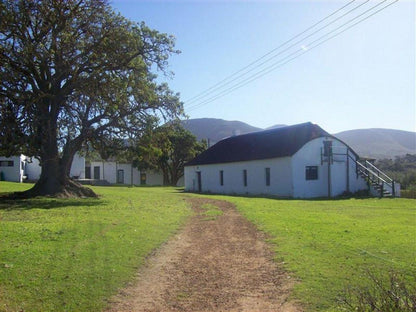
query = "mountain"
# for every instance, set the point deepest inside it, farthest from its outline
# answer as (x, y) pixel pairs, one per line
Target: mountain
(376, 143)
(216, 129)
(380, 143)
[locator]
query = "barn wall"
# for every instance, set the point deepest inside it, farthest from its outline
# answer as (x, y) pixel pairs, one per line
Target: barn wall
(280, 177)
(310, 155)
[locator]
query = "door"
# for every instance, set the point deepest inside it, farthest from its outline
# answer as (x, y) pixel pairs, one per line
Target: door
(96, 172)
(120, 176)
(199, 181)
(87, 172)
(143, 178)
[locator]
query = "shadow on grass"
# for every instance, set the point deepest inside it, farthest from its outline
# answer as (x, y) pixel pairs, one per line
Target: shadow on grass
(341, 197)
(46, 203)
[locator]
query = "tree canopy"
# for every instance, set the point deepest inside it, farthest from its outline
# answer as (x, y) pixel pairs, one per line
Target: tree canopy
(75, 72)
(166, 149)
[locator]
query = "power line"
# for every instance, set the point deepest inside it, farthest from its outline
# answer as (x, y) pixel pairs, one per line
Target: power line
(283, 61)
(265, 55)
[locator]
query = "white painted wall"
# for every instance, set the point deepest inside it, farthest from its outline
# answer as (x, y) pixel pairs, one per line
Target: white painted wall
(280, 177)
(153, 178)
(310, 155)
(78, 167)
(287, 174)
(13, 173)
(108, 171)
(33, 169)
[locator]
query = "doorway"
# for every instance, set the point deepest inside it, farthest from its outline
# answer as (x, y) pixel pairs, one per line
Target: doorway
(198, 174)
(120, 176)
(96, 172)
(143, 178)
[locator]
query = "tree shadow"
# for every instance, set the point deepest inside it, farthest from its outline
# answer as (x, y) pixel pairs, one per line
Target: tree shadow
(9, 204)
(358, 196)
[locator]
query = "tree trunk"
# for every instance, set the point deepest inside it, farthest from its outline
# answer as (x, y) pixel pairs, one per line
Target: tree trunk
(54, 181)
(54, 178)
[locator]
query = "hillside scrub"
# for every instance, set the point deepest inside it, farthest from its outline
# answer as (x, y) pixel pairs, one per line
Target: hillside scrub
(402, 169)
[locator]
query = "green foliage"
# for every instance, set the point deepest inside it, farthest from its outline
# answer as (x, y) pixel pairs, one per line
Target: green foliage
(167, 149)
(74, 254)
(329, 244)
(402, 169)
(410, 192)
(74, 72)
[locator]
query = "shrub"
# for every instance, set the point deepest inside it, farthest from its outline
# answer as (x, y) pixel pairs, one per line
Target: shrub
(390, 294)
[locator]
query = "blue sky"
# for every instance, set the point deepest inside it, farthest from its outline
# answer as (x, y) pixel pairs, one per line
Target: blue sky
(362, 78)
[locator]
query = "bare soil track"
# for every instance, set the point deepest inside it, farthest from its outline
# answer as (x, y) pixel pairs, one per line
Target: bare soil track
(213, 264)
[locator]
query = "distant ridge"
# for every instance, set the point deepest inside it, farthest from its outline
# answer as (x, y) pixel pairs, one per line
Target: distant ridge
(216, 129)
(380, 143)
(375, 143)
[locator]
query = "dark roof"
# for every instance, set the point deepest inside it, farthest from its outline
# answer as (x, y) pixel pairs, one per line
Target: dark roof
(273, 143)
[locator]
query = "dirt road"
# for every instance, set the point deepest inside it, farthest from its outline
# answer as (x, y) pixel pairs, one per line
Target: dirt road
(219, 263)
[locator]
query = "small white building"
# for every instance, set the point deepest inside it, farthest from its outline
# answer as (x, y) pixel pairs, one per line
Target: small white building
(19, 168)
(12, 168)
(300, 161)
(123, 173)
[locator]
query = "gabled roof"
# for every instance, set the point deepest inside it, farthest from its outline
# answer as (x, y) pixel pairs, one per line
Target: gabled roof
(274, 143)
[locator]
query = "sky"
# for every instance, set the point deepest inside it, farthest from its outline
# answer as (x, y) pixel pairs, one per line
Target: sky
(361, 78)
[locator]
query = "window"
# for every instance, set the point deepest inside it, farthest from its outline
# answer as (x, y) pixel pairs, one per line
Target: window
(221, 177)
(267, 176)
(245, 177)
(6, 163)
(311, 173)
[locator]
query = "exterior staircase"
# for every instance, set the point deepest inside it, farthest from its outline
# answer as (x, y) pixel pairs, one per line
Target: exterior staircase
(378, 182)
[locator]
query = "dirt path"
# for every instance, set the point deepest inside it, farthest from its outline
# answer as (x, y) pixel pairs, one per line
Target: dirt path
(214, 264)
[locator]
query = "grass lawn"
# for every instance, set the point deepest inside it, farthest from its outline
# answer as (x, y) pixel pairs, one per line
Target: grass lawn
(73, 254)
(329, 244)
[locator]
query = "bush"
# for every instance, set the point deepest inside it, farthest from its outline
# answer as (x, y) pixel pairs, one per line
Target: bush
(390, 294)
(410, 192)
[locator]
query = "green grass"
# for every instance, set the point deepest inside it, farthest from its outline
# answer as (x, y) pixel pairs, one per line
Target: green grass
(328, 245)
(73, 254)
(70, 254)
(211, 211)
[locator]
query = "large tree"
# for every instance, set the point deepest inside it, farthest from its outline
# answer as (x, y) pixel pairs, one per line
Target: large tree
(166, 149)
(75, 72)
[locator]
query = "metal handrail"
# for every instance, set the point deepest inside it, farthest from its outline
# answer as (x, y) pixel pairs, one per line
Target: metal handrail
(373, 173)
(374, 177)
(378, 170)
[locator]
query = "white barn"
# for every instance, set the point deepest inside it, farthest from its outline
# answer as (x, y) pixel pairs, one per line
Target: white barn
(300, 161)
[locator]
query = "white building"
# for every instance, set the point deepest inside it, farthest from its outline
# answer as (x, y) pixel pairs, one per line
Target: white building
(12, 168)
(123, 173)
(19, 168)
(300, 161)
